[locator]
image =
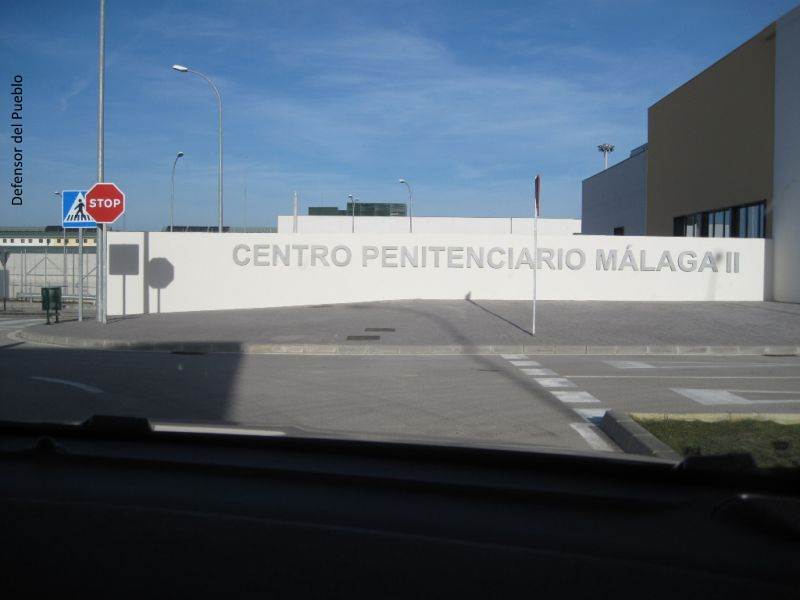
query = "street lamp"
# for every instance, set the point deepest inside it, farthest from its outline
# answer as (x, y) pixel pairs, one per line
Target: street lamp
(606, 149)
(172, 195)
(182, 69)
(410, 202)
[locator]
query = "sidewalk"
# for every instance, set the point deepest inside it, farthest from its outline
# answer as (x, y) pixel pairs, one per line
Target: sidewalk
(22, 307)
(448, 327)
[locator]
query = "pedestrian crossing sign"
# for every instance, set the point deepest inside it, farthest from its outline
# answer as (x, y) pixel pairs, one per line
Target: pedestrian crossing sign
(74, 210)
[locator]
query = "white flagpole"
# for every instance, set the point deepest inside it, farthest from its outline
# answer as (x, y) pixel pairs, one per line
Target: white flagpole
(536, 185)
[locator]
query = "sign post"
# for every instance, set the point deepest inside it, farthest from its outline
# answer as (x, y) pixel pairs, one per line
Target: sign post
(536, 191)
(105, 203)
(75, 216)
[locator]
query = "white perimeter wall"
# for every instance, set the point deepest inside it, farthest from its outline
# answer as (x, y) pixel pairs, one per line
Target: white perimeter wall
(174, 272)
(786, 182)
(493, 225)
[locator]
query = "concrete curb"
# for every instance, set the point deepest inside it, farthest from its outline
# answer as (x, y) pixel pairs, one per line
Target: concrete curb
(371, 349)
(633, 438)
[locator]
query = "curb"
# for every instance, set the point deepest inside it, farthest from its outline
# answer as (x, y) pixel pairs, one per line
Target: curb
(372, 349)
(633, 438)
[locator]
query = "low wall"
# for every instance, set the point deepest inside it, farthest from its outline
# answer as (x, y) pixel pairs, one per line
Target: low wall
(438, 225)
(174, 272)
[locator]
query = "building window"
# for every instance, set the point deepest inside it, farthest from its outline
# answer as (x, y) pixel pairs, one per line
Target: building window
(746, 221)
(619, 231)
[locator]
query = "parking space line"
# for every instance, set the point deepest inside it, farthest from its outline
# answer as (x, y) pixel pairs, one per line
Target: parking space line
(683, 376)
(721, 397)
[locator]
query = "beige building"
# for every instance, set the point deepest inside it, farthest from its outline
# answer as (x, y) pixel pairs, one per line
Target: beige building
(722, 159)
(711, 148)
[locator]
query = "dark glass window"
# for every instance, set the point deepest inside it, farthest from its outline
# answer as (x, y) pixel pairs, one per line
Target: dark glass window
(746, 221)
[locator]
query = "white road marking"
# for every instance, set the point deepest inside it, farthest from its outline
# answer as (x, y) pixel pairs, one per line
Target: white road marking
(81, 386)
(591, 413)
(589, 433)
(629, 364)
(525, 363)
(721, 397)
(767, 392)
(554, 382)
(174, 427)
(540, 372)
(574, 397)
(684, 376)
(635, 364)
(514, 356)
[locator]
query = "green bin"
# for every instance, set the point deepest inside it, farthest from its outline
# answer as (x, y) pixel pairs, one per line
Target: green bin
(51, 301)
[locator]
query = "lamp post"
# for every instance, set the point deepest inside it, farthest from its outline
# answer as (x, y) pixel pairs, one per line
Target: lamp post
(606, 149)
(172, 195)
(410, 202)
(100, 240)
(182, 69)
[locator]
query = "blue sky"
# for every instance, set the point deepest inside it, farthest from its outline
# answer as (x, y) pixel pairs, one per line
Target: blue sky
(467, 100)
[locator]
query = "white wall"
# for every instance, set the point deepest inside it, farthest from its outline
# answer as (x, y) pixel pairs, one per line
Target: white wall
(494, 225)
(786, 169)
(616, 197)
(197, 271)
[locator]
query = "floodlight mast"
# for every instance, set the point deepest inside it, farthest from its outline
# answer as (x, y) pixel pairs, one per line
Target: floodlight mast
(606, 149)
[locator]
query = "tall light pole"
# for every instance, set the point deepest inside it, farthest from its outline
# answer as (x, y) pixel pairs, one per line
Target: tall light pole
(353, 213)
(410, 202)
(100, 268)
(606, 149)
(172, 195)
(182, 69)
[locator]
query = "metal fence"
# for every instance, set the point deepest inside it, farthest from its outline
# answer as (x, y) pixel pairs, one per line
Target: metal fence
(26, 270)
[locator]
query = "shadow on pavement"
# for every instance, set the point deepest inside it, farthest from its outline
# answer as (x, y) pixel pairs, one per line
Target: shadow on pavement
(42, 383)
(469, 299)
(512, 375)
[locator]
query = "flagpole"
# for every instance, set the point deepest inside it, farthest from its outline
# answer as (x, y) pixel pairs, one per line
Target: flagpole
(536, 188)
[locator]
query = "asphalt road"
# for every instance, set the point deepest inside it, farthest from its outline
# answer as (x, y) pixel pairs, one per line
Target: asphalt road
(550, 401)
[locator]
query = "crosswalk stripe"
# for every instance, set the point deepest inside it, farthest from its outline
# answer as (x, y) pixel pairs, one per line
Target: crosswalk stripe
(589, 433)
(574, 397)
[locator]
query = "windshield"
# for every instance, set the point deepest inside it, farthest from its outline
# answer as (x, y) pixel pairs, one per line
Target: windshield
(561, 227)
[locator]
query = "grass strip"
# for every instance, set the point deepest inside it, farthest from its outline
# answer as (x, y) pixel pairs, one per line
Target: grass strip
(771, 444)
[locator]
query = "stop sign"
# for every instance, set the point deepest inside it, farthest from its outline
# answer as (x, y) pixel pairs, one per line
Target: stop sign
(105, 202)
